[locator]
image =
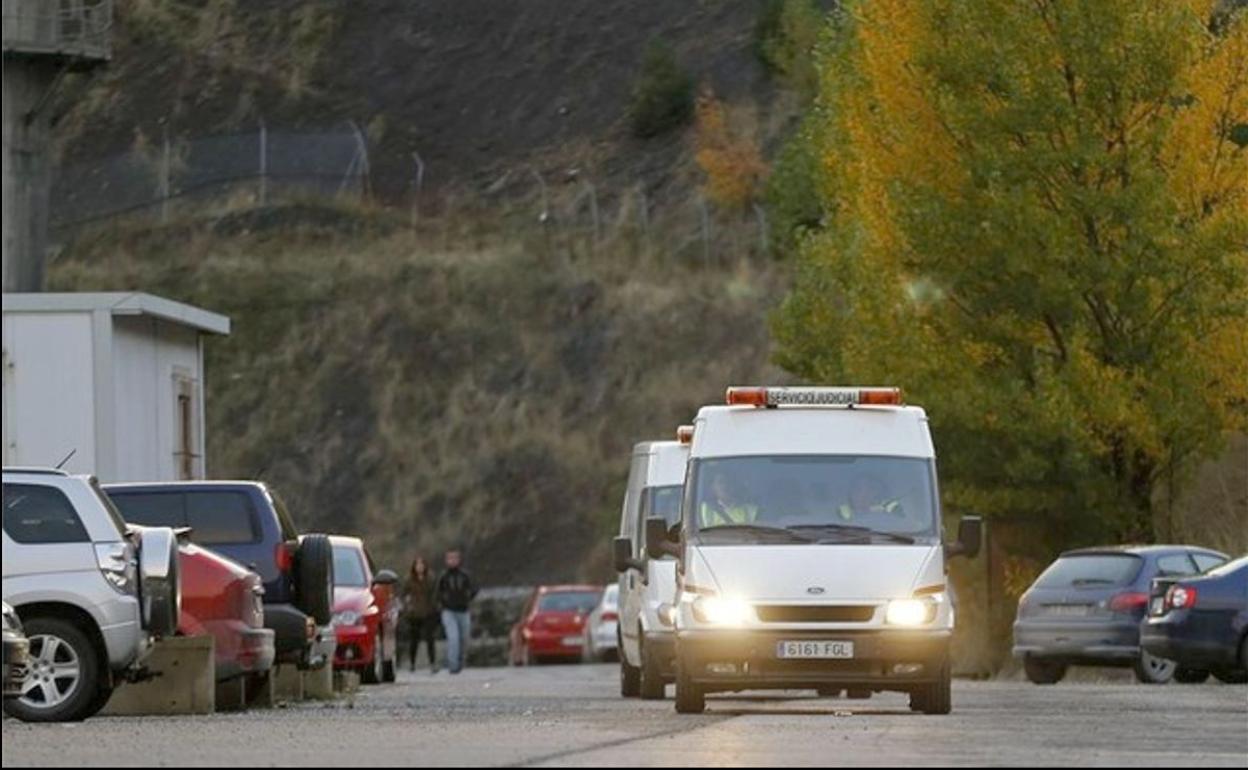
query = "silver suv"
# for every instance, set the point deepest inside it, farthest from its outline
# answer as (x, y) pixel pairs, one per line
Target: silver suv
(91, 593)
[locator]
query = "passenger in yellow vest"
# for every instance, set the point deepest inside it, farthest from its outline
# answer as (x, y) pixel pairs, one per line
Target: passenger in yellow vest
(866, 496)
(724, 508)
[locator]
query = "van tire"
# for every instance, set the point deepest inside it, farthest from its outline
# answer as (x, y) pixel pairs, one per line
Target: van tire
(314, 570)
(935, 697)
(92, 689)
(630, 679)
(1041, 671)
(652, 684)
(690, 699)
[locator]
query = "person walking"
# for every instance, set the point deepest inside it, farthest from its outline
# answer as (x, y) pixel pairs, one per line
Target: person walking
(420, 609)
(455, 592)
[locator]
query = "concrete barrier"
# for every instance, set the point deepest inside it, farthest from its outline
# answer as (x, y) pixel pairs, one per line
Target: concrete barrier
(185, 681)
(286, 683)
(346, 682)
(318, 684)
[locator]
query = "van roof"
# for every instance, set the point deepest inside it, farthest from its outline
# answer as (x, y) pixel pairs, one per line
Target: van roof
(739, 431)
(666, 463)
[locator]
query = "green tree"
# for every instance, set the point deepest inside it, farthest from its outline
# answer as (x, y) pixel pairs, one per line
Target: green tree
(1036, 221)
(663, 94)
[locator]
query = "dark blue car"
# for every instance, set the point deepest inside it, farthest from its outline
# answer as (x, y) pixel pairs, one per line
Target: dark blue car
(1087, 608)
(1201, 623)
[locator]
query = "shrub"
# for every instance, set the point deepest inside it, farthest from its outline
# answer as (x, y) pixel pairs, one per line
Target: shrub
(663, 95)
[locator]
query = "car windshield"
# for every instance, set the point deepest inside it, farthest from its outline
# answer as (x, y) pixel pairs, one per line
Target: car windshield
(569, 601)
(806, 499)
(611, 597)
(1091, 570)
(349, 567)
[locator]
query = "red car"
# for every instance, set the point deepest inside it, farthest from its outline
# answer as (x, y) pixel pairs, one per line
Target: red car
(366, 613)
(222, 599)
(551, 627)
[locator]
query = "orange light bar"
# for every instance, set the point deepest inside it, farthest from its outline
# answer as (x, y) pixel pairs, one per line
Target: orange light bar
(738, 396)
(802, 396)
(684, 434)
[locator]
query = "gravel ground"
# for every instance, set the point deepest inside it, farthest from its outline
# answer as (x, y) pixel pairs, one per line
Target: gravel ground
(572, 715)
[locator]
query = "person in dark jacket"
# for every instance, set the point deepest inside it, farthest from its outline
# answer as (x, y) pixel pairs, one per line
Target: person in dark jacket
(420, 610)
(455, 593)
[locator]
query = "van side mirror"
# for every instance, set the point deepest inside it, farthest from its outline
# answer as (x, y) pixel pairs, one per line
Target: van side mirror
(385, 578)
(970, 537)
(659, 540)
(622, 556)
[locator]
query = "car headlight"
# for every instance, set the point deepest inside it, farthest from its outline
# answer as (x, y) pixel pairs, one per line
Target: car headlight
(718, 611)
(346, 618)
(912, 612)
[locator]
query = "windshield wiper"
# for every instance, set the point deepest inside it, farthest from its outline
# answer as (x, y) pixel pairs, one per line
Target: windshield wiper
(850, 529)
(757, 529)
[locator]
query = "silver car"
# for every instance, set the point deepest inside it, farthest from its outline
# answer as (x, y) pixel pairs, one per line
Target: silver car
(91, 594)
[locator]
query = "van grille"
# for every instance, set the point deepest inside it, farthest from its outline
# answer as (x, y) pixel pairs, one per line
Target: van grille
(814, 613)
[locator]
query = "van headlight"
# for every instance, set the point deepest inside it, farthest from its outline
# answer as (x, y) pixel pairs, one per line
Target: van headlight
(717, 611)
(912, 612)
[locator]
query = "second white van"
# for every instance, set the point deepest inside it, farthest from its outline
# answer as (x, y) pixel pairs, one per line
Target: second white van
(648, 585)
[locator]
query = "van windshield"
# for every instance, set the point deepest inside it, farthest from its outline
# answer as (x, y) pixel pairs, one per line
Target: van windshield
(802, 499)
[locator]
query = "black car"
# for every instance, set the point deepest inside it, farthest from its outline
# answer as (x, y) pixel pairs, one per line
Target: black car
(1201, 623)
(1087, 608)
(247, 522)
(16, 654)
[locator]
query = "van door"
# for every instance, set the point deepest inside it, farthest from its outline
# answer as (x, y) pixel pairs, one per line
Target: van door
(631, 593)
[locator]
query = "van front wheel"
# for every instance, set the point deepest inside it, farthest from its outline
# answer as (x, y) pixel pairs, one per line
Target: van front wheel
(690, 699)
(936, 697)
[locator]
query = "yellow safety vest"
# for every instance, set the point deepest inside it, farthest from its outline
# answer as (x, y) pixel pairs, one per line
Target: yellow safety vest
(735, 514)
(847, 513)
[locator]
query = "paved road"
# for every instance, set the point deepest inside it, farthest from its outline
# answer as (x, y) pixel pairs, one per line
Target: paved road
(570, 715)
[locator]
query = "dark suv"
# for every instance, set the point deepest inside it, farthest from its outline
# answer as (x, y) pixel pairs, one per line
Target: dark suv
(247, 522)
(1087, 607)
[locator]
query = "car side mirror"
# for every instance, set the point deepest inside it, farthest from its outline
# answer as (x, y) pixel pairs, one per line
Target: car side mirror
(659, 539)
(385, 578)
(622, 556)
(970, 537)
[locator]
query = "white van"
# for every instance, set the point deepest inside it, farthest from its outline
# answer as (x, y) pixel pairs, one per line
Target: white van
(648, 586)
(810, 553)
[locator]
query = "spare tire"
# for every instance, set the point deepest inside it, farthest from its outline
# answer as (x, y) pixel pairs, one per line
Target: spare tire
(314, 577)
(160, 582)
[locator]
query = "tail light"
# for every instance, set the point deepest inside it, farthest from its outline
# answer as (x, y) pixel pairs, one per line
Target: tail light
(285, 556)
(1181, 597)
(1127, 602)
(608, 616)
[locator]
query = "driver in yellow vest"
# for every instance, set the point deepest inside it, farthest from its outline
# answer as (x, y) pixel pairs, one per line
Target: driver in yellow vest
(866, 496)
(723, 508)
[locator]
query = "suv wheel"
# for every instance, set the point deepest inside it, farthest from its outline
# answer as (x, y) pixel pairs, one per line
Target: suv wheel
(65, 682)
(314, 568)
(1041, 671)
(1150, 669)
(1190, 675)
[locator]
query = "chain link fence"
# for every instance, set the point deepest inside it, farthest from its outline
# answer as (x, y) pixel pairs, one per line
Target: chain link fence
(162, 179)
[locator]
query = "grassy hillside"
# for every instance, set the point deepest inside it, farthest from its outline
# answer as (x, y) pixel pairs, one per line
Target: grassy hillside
(419, 395)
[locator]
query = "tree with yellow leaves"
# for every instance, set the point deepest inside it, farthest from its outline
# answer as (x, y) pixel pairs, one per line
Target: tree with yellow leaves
(731, 161)
(1036, 221)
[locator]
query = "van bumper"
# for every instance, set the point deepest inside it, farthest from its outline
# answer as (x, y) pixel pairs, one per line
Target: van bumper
(661, 646)
(747, 660)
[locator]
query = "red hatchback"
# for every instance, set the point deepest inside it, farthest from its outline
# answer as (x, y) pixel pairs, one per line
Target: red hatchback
(366, 613)
(222, 599)
(552, 624)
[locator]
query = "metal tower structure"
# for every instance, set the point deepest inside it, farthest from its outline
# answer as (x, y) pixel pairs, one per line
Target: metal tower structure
(43, 40)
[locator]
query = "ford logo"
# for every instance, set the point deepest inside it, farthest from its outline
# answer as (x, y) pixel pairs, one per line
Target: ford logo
(814, 590)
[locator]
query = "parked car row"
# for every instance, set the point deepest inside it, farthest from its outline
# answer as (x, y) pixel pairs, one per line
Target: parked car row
(1098, 606)
(95, 574)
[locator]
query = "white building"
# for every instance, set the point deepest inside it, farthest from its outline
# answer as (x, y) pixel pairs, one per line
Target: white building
(115, 378)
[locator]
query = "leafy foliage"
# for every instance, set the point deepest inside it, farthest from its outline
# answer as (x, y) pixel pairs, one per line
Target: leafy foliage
(663, 96)
(732, 163)
(785, 36)
(1037, 218)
